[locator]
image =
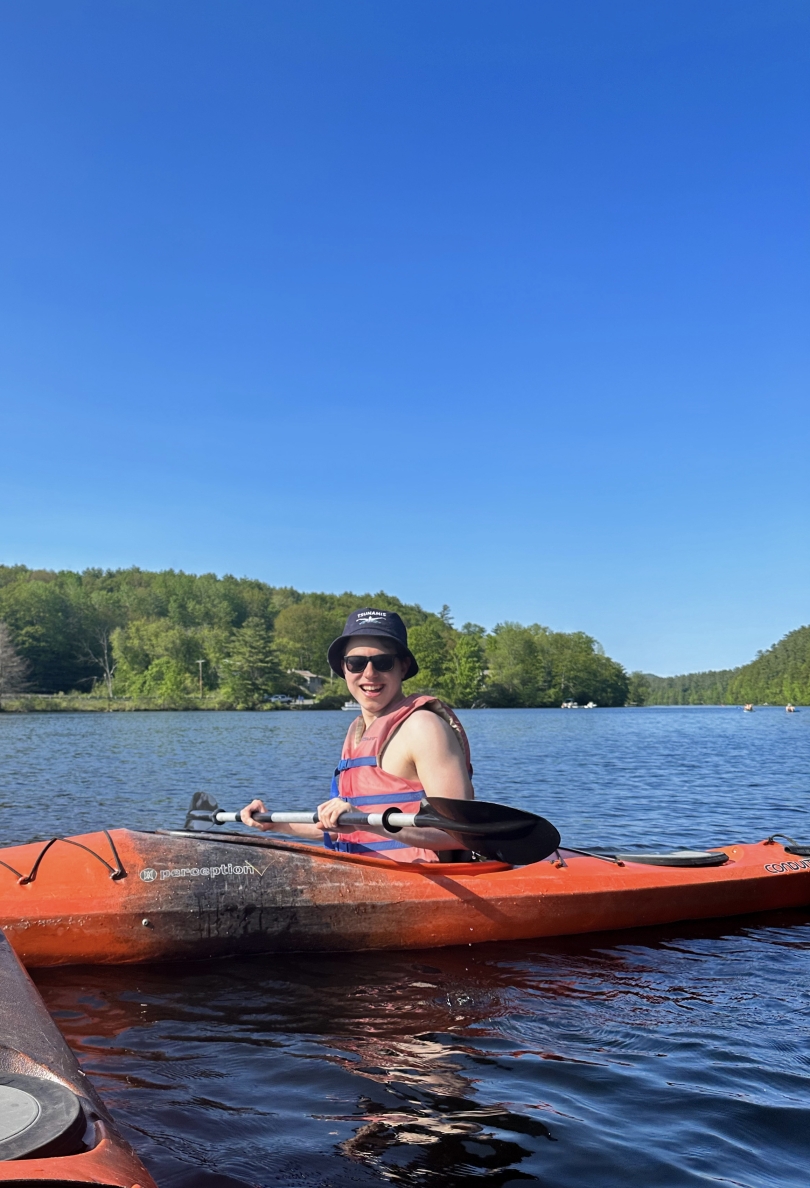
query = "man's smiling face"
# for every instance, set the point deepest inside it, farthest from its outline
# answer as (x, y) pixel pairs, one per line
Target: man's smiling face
(374, 690)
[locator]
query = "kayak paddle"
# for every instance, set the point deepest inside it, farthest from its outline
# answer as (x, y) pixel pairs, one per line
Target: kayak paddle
(493, 831)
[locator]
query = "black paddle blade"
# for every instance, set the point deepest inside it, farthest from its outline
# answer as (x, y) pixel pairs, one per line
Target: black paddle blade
(202, 808)
(494, 831)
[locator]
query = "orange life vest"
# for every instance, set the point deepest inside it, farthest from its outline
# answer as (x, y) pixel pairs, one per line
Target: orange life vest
(362, 783)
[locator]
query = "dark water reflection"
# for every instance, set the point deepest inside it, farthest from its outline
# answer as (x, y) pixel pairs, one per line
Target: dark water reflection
(671, 1057)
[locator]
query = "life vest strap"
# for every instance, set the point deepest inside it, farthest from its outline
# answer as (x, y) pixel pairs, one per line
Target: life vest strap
(345, 764)
(346, 847)
(414, 797)
(362, 761)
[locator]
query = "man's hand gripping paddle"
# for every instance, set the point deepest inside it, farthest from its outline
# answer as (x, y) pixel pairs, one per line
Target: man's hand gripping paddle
(492, 831)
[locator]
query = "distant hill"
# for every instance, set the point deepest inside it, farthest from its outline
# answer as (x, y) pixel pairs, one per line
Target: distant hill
(691, 688)
(139, 639)
(777, 676)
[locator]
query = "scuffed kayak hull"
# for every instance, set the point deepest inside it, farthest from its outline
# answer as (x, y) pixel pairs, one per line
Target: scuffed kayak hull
(33, 1054)
(128, 896)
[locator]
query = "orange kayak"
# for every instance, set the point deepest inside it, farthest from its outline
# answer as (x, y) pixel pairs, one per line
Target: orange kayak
(125, 896)
(53, 1127)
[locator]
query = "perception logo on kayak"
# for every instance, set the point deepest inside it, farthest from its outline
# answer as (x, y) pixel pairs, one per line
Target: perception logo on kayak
(150, 875)
(787, 867)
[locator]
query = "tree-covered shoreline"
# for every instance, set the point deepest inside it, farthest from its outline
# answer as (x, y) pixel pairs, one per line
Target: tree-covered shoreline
(777, 676)
(132, 639)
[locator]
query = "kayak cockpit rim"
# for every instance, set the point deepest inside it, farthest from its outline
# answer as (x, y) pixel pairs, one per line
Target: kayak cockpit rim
(685, 859)
(313, 850)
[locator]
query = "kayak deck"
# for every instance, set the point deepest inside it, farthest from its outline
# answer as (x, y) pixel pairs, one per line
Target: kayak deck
(125, 896)
(54, 1128)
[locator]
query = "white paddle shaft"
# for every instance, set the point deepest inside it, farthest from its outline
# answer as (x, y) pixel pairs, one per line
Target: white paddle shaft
(398, 820)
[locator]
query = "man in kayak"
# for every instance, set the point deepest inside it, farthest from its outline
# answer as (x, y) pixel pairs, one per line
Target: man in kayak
(393, 755)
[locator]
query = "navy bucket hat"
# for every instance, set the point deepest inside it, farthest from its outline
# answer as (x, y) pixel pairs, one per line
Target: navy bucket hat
(386, 624)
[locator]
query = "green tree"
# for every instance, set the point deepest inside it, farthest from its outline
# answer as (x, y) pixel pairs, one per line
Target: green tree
(533, 666)
(102, 615)
(43, 614)
(464, 677)
(304, 631)
(13, 668)
(165, 680)
(519, 671)
(143, 649)
(431, 643)
(251, 670)
(639, 691)
(582, 671)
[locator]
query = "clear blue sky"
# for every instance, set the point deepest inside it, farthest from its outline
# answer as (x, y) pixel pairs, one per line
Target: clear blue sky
(500, 304)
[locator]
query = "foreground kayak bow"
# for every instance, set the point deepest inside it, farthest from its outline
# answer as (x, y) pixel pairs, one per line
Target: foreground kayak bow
(53, 1127)
(492, 831)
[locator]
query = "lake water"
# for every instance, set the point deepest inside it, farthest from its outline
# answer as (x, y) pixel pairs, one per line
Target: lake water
(675, 1056)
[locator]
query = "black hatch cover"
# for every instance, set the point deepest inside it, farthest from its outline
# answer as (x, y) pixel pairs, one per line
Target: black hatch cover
(677, 858)
(38, 1118)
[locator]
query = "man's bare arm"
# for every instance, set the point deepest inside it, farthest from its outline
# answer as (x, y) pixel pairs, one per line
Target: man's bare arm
(435, 750)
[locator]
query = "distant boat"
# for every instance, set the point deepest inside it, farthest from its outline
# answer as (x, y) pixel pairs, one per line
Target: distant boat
(351, 706)
(591, 705)
(790, 709)
(570, 705)
(748, 709)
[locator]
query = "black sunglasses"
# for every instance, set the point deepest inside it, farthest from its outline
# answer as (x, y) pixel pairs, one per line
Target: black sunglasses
(382, 663)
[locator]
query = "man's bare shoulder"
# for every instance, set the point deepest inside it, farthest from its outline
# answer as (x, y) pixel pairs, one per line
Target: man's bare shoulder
(426, 748)
(425, 729)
